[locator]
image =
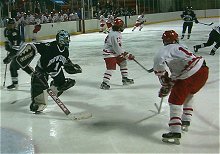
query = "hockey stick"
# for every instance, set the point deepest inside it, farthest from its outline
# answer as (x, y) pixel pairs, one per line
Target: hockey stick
(206, 24)
(72, 116)
(158, 111)
(159, 107)
(6, 66)
(149, 71)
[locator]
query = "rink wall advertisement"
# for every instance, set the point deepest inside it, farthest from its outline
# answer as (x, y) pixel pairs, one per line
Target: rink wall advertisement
(49, 30)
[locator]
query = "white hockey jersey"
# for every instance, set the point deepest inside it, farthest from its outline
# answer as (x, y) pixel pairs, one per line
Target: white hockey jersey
(141, 19)
(180, 62)
(113, 44)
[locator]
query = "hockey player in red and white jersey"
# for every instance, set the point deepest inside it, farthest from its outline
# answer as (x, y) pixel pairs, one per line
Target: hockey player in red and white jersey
(102, 23)
(109, 23)
(188, 73)
(114, 54)
(139, 22)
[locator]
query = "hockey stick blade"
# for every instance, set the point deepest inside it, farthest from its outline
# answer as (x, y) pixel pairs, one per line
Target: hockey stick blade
(79, 116)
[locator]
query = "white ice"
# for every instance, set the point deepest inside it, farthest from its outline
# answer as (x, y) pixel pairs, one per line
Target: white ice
(122, 119)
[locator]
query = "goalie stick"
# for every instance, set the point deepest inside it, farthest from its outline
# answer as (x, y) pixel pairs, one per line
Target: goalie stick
(149, 71)
(206, 23)
(72, 116)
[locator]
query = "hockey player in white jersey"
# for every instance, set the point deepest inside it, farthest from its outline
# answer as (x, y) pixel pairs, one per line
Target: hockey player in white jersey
(102, 23)
(214, 36)
(109, 23)
(188, 74)
(114, 54)
(139, 22)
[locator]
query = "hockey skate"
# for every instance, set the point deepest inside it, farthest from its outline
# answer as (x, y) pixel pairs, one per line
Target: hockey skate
(37, 108)
(127, 81)
(195, 48)
(173, 138)
(185, 125)
(105, 86)
(182, 37)
(12, 87)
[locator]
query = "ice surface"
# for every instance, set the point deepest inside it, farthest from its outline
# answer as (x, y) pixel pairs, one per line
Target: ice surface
(123, 117)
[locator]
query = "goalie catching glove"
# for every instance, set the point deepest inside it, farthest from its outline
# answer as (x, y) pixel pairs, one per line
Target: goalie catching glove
(71, 68)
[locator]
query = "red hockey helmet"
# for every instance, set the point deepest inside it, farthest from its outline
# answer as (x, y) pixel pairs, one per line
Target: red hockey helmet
(170, 37)
(118, 25)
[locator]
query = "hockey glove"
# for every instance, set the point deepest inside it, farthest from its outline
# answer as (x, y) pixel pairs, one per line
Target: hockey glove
(212, 53)
(9, 57)
(7, 46)
(164, 91)
(71, 68)
(7, 60)
(128, 56)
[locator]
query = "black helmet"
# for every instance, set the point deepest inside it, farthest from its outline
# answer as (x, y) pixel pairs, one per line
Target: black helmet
(10, 21)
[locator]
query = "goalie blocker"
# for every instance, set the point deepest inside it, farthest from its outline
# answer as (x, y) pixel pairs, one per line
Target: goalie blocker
(26, 55)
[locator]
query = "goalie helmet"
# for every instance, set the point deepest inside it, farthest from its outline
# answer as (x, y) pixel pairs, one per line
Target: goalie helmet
(170, 37)
(118, 25)
(63, 38)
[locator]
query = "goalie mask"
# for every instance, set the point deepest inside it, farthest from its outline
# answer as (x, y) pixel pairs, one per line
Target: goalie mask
(63, 38)
(170, 37)
(118, 25)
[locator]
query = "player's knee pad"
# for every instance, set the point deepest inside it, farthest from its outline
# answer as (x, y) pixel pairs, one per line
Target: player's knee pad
(58, 90)
(55, 89)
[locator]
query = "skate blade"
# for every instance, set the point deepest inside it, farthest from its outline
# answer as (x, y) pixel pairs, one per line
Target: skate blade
(128, 83)
(171, 141)
(79, 116)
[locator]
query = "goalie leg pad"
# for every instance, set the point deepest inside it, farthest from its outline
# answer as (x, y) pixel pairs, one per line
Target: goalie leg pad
(39, 103)
(60, 89)
(68, 84)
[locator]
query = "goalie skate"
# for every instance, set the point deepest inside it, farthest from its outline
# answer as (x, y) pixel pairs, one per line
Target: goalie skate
(172, 138)
(79, 115)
